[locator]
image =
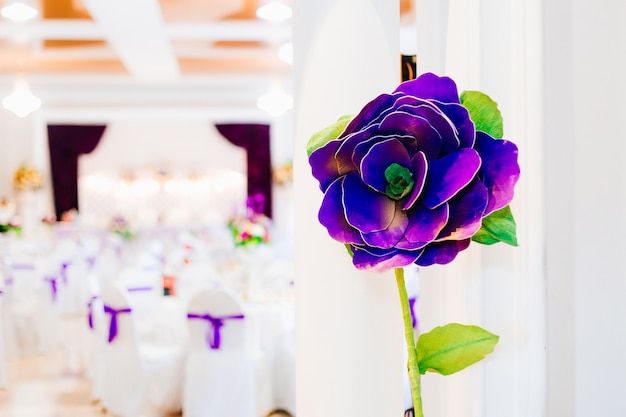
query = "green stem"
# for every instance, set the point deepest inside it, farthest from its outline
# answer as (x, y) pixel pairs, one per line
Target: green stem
(414, 372)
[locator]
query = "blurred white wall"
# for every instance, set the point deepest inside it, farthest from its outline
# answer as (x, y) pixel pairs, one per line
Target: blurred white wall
(171, 143)
(16, 147)
(585, 65)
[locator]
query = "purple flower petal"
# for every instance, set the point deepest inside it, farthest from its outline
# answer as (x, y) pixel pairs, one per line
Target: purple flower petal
(331, 215)
(425, 224)
(324, 165)
(405, 244)
(419, 166)
(365, 209)
(439, 122)
(500, 170)
(364, 147)
(382, 260)
(442, 252)
(371, 111)
(461, 119)
(387, 239)
(449, 175)
(378, 159)
(427, 138)
(344, 154)
(466, 212)
(430, 86)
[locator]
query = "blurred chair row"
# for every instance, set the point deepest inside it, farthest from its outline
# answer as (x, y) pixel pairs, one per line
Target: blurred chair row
(111, 321)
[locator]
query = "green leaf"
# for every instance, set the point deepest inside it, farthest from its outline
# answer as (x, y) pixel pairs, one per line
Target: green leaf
(327, 134)
(499, 226)
(483, 236)
(453, 347)
(349, 249)
(484, 112)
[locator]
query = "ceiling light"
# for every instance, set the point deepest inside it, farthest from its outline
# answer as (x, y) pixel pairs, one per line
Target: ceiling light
(19, 11)
(21, 101)
(274, 12)
(275, 102)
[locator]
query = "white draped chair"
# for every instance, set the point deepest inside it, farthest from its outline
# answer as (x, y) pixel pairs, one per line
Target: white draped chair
(27, 306)
(75, 281)
(99, 328)
(219, 371)
(10, 336)
(139, 380)
(143, 286)
(194, 276)
(3, 372)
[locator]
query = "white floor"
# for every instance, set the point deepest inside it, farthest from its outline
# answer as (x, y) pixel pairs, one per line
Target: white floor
(38, 387)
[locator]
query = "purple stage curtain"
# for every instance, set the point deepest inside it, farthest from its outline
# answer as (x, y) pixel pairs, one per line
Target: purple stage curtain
(67, 143)
(255, 139)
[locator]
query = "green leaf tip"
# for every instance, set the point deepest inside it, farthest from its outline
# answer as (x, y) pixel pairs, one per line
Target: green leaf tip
(327, 134)
(484, 113)
(451, 348)
(499, 226)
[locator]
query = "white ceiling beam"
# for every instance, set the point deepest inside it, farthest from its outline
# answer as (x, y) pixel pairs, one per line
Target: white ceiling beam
(135, 30)
(198, 51)
(230, 30)
(76, 29)
(65, 29)
(215, 78)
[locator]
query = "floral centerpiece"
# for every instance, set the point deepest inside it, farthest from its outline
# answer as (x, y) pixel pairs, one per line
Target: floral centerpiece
(13, 225)
(49, 219)
(414, 178)
(250, 229)
(27, 178)
(120, 226)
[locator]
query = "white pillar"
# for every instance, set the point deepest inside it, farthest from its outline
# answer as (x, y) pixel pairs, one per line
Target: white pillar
(585, 88)
(495, 46)
(349, 341)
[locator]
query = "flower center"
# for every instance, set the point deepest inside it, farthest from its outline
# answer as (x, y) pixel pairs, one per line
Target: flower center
(399, 181)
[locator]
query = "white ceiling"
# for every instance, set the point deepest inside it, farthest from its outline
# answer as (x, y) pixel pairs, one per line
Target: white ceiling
(145, 51)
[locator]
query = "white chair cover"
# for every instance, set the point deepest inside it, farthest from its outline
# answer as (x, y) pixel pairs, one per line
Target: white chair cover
(219, 374)
(27, 293)
(193, 277)
(11, 344)
(3, 374)
(138, 380)
(143, 287)
(75, 282)
(98, 324)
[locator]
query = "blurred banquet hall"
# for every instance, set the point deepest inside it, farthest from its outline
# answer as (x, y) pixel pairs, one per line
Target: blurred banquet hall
(146, 219)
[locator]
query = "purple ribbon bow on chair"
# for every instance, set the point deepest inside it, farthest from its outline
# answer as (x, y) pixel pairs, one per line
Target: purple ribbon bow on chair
(138, 289)
(113, 326)
(213, 338)
(90, 311)
(64, 266)
(23, 267)
(53, 287)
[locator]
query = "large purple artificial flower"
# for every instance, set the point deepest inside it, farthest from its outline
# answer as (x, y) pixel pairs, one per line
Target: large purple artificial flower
(410, 179)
